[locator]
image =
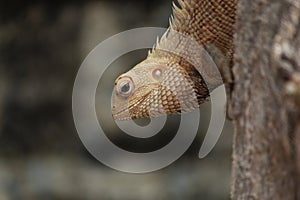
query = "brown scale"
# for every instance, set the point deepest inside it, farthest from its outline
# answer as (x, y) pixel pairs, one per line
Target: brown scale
(214, 19)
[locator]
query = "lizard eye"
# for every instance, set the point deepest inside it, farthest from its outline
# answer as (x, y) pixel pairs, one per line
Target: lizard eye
(125, 86)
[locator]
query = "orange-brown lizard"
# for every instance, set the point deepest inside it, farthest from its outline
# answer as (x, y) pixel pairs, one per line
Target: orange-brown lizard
(166, 83)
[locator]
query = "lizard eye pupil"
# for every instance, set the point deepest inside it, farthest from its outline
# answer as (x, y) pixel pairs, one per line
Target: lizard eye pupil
(125, 88)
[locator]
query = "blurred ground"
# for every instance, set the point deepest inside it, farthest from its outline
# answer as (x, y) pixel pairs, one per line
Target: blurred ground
(42, 44)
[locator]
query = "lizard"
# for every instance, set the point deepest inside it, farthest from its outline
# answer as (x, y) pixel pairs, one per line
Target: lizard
(166, 83)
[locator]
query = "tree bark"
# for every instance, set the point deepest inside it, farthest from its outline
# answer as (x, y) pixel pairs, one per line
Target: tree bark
(265, 100)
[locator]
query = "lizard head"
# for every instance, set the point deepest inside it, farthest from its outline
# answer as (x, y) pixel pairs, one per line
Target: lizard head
(165, 82)
(156, 87)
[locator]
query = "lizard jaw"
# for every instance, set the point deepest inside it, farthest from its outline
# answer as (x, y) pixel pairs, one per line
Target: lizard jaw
(127, 113)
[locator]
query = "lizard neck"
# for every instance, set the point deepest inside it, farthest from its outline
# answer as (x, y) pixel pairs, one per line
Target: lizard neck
(208, 22)
(211, 25)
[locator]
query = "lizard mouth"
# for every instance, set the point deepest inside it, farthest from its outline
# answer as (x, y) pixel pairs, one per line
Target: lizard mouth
(124, 112)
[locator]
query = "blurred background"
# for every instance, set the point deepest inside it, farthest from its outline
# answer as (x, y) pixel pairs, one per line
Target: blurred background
(42, 45)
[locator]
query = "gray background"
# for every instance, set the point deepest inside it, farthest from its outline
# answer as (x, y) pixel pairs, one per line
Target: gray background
(42, 44)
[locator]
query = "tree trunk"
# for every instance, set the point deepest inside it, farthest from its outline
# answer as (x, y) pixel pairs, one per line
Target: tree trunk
(265, 100)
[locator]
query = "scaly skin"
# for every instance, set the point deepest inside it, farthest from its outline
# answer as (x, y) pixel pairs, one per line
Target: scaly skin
(167, 83)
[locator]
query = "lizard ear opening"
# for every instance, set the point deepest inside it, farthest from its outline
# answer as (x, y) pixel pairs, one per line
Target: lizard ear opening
(125, 86)
(157, 74)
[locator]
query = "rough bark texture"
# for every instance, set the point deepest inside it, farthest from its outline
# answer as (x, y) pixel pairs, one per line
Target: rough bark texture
(265, 100)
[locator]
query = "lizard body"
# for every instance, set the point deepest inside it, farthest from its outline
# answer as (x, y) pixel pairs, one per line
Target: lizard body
(166, 83)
